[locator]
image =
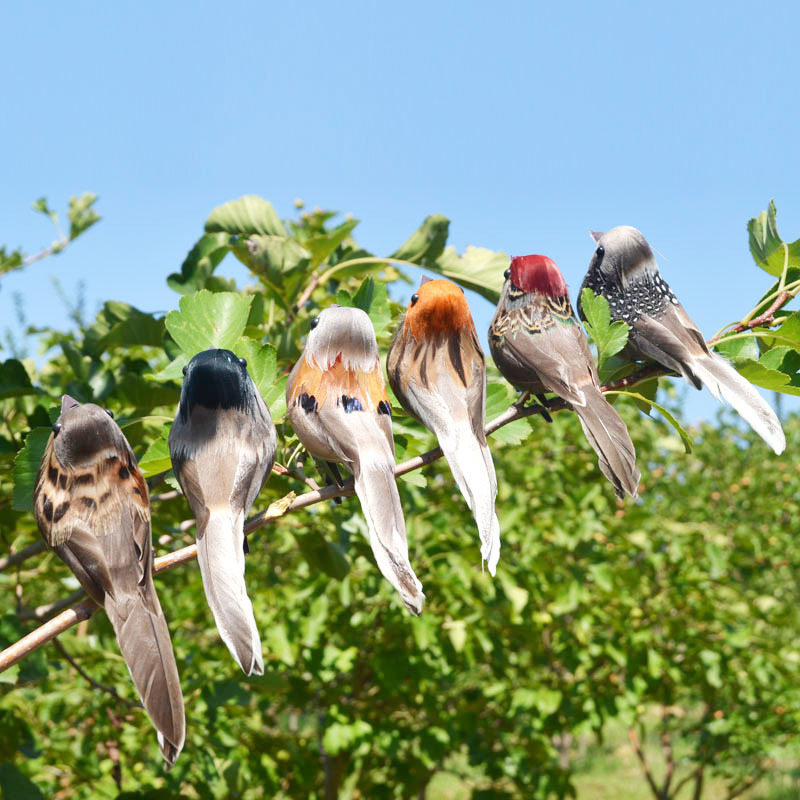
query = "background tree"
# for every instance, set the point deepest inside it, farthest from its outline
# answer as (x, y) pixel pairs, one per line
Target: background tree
(675, 615)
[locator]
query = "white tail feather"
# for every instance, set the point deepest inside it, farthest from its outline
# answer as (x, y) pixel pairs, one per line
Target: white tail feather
(380, 502)
(220, 554)
(722, 379)
(472, 467)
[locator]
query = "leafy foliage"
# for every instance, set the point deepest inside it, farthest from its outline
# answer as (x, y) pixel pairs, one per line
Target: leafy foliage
(685, 600)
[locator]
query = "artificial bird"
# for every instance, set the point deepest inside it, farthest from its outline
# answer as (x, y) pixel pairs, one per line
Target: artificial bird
(337, 404)
(222, 445)
(93, 509)
(539, 346)
(624, 271)
(437, 372)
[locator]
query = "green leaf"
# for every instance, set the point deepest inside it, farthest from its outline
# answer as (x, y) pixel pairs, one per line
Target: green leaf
(14, 380)
(687, 442)
(244, 217)
(81, 214)
(746, 347)
(207, 320)
(26, 467)
(426, 244)
(272, 255)
(10, 259)
(42, 207)
(323, 555)
(17, 786)
(372, 297)
(156, 459)
(762, 375)
(200, 263)
(649, 390)
(602, 575)
(478, 269)
(136, 330)
(609, 338)
(340, 736)
(322, 247)
(262, 364)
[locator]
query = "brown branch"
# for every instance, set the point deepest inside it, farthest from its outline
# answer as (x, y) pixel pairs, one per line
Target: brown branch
(92, 682)
(637, 748)
(766, 319)
(56, 247)
(21, 555)
(748, 783)
(686, 779)
(307, 292)
(698, 785)
(666, 746)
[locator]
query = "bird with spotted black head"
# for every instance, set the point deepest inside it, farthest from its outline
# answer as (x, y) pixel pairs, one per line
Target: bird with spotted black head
(337, 404)
(623, 269)
(539, 346)
(92, 507)
(437, 371)
(222, 446)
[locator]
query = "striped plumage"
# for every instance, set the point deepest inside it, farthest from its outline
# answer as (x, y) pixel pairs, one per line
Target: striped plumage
(437, 371)
(539, 346)
(623, 269)
(337, 404)
(93, 509)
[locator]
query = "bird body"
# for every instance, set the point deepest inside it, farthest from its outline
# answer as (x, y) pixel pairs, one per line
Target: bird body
(222, 446)
(337, 404)
(437, 371)
(623, 269)
(92, 507)
(538, 345)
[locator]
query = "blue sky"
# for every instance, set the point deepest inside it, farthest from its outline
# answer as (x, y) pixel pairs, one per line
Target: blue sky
(525, 123)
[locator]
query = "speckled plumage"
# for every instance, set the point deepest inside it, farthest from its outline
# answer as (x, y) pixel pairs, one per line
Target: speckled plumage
(624, 271)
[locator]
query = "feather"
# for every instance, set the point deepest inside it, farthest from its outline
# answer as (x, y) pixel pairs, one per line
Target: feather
(222, 445)
(337, 404)
(437, 371)
(92, 507)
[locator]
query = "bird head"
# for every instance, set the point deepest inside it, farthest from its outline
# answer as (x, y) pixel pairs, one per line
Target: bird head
(216, 379)
(345, 335)
(81, 430)
(436, 309)
(529, 276)
(622, 254)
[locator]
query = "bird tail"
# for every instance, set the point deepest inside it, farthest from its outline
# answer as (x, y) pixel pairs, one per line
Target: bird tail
(377, 491)
(472, 466)
(220, 554)
(724, 381)
(144, 640)
(608, 435)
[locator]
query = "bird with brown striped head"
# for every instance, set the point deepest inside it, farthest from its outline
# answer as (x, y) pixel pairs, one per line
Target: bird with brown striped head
(437, 371)
(92, 507)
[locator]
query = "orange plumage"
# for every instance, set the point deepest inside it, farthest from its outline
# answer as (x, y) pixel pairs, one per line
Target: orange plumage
(440, 309)
(367, 387)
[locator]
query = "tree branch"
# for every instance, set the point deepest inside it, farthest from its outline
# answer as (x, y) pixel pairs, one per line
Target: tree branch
(65, 620)
(92, 682)
(637, 748)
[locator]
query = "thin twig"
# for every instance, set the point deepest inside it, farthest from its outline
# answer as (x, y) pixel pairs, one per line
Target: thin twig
(21, 555)
(56, 247)
(307, 292)
(762, 320)
(683, 781)
(96, 684)
(637, 748)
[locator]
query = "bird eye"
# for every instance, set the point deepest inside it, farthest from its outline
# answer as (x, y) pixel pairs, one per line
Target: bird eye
(56, 428)
(314, 323)
(243, 362)
(414, 298)
(185, 369)
(507, 273)
(600, 252)
(110, 413)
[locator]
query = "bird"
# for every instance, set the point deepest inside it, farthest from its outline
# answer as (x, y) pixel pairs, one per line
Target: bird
(623, 269)
(437, 371)
(92, 507)
(338, 405)
(222, 445)
(538, 345)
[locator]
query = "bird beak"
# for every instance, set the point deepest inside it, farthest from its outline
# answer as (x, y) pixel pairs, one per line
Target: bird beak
(597, 236)
(68, 402)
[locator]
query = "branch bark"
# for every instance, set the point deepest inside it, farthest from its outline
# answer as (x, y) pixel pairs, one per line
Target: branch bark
(636, 743)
